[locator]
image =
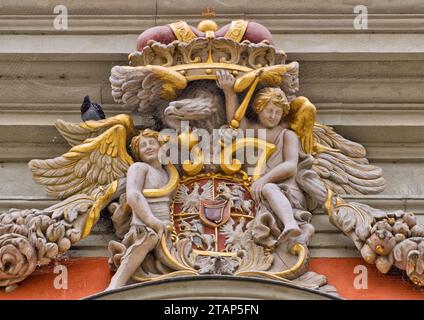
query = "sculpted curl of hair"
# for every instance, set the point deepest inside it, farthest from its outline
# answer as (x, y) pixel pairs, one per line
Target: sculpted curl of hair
(274, 95)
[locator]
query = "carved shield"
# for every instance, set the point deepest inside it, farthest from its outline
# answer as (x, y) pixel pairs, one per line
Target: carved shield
(207, 208)
(214, 213)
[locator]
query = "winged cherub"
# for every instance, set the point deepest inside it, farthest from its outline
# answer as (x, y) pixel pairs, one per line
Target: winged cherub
(148, 223)
(98, 161)
(277, 186)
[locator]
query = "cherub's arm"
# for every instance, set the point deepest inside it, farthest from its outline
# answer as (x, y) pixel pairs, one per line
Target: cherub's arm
(226, 81)
(288, 167)
(135, 184)
(282, 171)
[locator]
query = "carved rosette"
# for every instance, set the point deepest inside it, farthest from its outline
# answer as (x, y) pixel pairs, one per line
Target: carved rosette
(18, 258)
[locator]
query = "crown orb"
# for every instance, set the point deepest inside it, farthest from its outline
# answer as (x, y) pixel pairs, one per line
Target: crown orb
(207, 25)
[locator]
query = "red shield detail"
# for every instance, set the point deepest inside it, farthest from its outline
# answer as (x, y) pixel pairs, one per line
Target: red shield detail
(214, 213)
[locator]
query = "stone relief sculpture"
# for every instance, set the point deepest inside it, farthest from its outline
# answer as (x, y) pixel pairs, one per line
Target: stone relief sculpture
(271, 107)
(197, 217)
(150, 216)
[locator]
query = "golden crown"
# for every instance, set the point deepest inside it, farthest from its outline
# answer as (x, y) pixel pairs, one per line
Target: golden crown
(199, 57)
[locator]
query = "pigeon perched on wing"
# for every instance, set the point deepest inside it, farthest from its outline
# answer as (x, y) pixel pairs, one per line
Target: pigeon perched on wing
(91, 110)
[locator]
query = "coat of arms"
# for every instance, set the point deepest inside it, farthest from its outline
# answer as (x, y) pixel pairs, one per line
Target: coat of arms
(211, 211)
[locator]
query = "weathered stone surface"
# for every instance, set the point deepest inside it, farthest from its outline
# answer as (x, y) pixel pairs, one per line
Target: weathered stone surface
(131, 16)
(366, 85)
(209, 287)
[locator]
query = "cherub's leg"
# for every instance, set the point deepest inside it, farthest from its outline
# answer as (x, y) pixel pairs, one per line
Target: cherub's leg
(281, 206)
(132, 261)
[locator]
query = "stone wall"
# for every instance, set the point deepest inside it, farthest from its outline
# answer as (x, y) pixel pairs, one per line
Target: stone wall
(368, 84)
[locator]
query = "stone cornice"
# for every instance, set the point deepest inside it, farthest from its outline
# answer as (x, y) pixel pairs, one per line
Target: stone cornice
(321, 47)
(390, 132)
(282, 16)
(277, 23)
(380, 115)
(189, 7)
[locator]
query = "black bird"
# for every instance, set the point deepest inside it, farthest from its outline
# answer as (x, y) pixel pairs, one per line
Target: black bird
(91, 110)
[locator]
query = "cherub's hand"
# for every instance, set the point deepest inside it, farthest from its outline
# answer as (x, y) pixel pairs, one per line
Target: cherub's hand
(159, 227)
(256, 189)
(225, 81)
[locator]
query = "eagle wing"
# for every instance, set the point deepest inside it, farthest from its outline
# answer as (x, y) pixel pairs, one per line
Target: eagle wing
(141, 88)
(207, 191)
(181, 195)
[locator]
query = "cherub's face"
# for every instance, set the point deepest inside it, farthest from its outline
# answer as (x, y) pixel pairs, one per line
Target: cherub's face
(270, 116)
(148, 149)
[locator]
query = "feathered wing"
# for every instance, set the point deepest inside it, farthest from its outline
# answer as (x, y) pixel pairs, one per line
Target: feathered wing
(207, 191)
(142, 87)
(343, 166)
(340, 164)
(302, 117)
(325, 136)
(97, 162)
(181, 195)
(76, 133)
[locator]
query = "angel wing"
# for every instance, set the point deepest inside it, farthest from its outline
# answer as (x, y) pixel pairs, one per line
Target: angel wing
(142, 87)
(327, 138)
(76, 133)
(341, 164)
(302, 119)
(182, 194)
(207, 193)
(97, 162)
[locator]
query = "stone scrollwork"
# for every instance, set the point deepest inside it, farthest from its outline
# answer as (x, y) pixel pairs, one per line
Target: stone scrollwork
(32, 238)
(244, 54)
(193, 218)
(385, 239)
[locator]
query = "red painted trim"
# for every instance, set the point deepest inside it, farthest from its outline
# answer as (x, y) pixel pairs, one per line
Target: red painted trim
(87, 276)
(340, 273)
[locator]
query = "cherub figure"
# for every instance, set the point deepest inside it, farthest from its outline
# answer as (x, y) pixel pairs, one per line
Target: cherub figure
(277, 186)
(149, 217)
